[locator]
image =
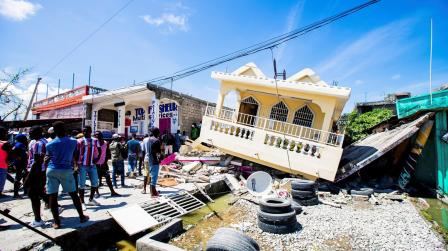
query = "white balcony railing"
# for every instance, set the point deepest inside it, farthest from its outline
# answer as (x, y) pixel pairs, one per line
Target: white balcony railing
(267, 124)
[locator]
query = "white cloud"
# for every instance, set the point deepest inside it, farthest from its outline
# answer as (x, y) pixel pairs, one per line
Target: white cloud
(18, 10)
(374, 47)
(169, 21)
(396, 76)
(359, 82)
(291, 23)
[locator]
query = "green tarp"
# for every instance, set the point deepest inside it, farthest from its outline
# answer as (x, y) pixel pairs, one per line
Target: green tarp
(409, 106)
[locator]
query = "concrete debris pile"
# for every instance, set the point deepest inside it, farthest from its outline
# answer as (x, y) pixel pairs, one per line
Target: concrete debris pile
(355, 225)
(201, 165)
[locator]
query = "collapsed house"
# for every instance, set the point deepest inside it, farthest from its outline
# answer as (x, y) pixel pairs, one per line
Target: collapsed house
(411, 148)
(284, 124)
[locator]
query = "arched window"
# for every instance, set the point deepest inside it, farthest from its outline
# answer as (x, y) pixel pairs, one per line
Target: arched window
(304, 117)
(249, 100)
(279, 112)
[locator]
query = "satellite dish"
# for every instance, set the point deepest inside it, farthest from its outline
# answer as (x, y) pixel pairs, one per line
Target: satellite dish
(259, 183)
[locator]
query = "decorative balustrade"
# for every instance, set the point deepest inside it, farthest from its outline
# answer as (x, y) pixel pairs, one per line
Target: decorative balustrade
(292, 145)
(232, 129)
(289, 129)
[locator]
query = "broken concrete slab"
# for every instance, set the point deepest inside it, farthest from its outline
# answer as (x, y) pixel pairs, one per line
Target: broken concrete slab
(146, 244)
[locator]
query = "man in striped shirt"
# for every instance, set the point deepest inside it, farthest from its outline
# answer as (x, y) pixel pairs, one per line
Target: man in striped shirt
(87, 157)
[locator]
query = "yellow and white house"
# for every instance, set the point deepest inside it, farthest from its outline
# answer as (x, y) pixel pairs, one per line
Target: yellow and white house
(284, 124)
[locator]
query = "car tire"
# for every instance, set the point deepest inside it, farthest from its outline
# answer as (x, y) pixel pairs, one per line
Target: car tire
(238, 234)
(277, 219)
(362, 191)
(275, 205)
(303, 185)
(231, 240)
(281, 229)
(298, 194)
(308, 202)
(296, 206)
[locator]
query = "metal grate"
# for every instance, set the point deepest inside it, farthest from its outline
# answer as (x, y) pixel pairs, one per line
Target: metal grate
(279, 112)
(249, 100)
(172, 206)
(304, 117)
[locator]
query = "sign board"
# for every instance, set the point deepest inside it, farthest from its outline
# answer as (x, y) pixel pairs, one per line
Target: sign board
(133, 219)
(133, 129)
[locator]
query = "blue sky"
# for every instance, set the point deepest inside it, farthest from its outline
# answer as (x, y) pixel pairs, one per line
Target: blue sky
(381, 49)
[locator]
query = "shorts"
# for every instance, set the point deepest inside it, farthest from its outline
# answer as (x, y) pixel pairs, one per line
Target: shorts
(64, 177)
(93, 176)
(154, 170)
(103, 169)
(146, 168)
(35, 183)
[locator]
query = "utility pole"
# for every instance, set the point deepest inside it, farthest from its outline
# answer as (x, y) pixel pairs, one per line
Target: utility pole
(46, 95)
(73, 81)
(59, 85)
(31, 99)
(90, 73)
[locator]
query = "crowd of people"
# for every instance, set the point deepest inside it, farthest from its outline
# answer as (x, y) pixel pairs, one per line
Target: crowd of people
(43, 163)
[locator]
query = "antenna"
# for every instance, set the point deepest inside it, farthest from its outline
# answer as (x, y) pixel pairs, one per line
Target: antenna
(283, 74)
(430, 67)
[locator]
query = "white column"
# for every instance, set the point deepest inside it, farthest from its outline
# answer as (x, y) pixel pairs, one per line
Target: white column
(219, 103)
(94, 117)
(154, 122)
(147, 121)
(237, 106)
(121, 119)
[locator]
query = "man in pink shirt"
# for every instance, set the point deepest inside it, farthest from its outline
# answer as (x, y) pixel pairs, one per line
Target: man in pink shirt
(101, 164)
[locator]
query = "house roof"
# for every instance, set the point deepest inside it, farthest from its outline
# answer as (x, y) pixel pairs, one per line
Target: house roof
(306, 81)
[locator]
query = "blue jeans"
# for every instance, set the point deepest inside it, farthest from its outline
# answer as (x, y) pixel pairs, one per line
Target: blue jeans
(93, 176)
(117, 169)
(3, 174)
(154, 171)
(132, 162)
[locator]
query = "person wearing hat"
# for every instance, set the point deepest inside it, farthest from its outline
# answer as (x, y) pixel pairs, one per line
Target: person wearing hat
(117, 150)
(19, 151)
(101, 164)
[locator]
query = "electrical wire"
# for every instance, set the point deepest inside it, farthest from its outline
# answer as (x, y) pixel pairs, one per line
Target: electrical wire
(279, 100)
(270, 43)
(89, 36)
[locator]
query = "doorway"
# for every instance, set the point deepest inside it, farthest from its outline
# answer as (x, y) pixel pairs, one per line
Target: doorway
(248, 112)
(165, 124)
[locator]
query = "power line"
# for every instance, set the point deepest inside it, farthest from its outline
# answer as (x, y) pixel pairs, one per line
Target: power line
(69, 53)
(268, 44)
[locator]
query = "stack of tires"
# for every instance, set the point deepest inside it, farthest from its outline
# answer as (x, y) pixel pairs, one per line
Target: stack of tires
(304, 192)
(227, 239)
(276, 216)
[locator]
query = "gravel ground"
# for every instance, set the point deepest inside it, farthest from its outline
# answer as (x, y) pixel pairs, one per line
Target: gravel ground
(356, 226)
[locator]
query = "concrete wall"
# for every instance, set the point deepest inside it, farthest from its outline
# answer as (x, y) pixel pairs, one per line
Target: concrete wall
(191, 109)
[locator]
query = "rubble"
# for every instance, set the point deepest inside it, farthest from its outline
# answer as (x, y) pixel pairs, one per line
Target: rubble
(387, 226)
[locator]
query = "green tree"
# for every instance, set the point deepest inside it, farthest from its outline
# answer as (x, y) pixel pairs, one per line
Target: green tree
(358, 124)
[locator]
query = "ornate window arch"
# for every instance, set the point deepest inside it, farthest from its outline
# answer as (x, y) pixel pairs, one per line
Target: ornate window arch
(279, 112)
(304, 116)
(250, 100)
